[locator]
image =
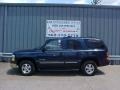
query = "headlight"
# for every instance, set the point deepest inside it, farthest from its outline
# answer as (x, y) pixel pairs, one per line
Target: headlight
(13, 58)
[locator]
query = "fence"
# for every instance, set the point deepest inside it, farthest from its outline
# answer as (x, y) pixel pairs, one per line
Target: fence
(114, 59)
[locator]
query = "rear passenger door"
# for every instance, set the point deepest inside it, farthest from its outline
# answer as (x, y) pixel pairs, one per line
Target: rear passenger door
(72, 54)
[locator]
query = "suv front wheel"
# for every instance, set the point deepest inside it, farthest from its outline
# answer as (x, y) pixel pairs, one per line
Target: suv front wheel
(26, 67)
(89, 68)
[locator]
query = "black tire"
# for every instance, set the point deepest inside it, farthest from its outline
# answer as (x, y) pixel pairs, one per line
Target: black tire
(26, 67)
(89, 71)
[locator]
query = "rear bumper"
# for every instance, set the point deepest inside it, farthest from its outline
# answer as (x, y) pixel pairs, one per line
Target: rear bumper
(105, 62)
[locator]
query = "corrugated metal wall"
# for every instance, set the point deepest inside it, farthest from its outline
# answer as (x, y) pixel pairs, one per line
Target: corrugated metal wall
(25, 24)
(1, 26)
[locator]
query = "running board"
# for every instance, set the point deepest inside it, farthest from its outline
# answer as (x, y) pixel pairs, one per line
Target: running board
(58, 69)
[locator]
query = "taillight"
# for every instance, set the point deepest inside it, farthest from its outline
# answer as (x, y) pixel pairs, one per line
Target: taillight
(106, 59)
(107, 55)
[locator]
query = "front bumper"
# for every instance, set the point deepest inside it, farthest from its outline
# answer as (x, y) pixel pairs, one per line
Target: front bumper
(13, 62)
(13, 65)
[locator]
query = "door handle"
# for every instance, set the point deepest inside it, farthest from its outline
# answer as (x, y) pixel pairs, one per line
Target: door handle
(54, 55)
(42, 59)
(61, 54)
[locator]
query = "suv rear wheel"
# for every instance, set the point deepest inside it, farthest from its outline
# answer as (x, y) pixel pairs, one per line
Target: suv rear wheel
(26, 67)
(89, 68)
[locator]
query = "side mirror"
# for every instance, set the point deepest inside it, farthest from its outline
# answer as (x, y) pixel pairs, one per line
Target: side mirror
(46, 48)
(43, 49)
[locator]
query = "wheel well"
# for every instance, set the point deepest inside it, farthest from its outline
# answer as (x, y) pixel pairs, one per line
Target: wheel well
(90, 59)
(29, 59)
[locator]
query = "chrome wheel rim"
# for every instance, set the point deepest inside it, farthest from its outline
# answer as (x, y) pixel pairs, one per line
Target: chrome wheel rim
(89, 68)
(26, 68)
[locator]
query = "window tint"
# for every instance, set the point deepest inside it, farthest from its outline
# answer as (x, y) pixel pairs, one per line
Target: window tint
(95, 44)
(73, 44)
(53, 45)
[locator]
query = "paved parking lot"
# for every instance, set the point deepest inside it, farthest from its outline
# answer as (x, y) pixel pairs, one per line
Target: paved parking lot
(107, 78)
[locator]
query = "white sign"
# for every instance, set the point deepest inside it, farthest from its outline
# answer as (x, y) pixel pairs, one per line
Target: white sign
(63, 28)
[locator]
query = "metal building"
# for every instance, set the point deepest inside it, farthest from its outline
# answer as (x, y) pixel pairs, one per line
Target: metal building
(23, 26)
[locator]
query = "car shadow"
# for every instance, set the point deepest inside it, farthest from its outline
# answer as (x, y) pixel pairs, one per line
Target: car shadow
(52, 73)
(13, 72)
(99, 72)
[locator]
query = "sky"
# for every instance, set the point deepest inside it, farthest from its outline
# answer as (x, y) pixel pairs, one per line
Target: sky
(103, 2)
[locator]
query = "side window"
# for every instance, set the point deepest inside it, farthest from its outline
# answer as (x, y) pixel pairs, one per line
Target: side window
(53, 45)
(73, 44)
(95, 44)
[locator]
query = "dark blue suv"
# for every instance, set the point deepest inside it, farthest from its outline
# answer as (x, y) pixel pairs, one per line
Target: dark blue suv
(83, 54)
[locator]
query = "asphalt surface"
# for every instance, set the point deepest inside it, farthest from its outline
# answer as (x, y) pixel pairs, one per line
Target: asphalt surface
(107, 78)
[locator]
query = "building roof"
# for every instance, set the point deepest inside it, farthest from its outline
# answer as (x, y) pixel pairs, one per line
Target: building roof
(60, 5)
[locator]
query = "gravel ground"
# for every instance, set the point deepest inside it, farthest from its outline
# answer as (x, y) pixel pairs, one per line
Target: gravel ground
(107, 78)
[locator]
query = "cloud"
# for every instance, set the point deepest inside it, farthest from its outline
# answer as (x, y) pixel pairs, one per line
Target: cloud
(10, 1)
(60, 1)
(13, 1)
(40, 1)
(110, 2)
(22, 1)
(116, 2)
(79, 2)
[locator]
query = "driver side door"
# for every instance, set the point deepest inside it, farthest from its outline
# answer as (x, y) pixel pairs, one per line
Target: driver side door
(52, 56)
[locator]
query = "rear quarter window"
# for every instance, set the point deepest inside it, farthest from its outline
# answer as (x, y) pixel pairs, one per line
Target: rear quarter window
(95, 44)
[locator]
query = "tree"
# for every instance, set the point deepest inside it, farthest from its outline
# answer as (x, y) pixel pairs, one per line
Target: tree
(95, 2)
